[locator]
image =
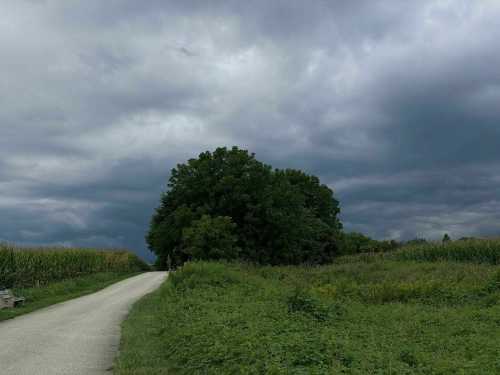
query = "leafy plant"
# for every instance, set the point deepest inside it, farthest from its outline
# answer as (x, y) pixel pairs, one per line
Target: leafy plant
(211, 238)
(300, 301)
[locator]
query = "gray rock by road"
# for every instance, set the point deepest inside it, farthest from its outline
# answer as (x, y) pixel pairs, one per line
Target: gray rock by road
(80, 336)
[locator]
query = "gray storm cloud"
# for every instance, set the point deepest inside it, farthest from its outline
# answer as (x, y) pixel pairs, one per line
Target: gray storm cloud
(393, 104)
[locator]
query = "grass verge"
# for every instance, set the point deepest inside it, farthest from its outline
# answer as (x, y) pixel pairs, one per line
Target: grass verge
(56, 292)
(377, 317)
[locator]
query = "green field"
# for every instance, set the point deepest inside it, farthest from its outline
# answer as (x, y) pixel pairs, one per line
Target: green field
(45, 276)
(368, 314)
(30, 267)
(473, 251)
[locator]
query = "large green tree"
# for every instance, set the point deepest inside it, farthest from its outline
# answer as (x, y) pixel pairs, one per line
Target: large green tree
(276, 216)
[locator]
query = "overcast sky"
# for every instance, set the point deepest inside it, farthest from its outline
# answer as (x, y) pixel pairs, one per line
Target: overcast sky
(393, 104)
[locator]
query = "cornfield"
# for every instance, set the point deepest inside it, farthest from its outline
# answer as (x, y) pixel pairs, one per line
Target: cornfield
(23, 267)
(476, 251)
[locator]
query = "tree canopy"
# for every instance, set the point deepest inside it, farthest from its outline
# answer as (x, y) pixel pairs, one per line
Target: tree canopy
(227, 204)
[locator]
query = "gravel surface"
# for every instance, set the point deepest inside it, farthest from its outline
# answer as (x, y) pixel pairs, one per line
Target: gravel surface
(80, 336)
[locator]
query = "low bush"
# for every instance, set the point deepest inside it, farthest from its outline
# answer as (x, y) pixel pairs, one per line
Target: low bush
(300, 301)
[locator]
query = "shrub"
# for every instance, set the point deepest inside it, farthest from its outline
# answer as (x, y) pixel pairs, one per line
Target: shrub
(300, 301)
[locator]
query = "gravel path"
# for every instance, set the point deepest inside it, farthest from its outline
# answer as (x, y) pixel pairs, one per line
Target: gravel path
(80, 336)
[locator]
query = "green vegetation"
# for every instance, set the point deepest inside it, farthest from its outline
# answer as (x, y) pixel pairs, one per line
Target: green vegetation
(276, 216)
(45, 276)
(474, 250)
(366, 314)
(22, 267)
(211, 238)
(357, 243)
(56, 292)
(381, 308)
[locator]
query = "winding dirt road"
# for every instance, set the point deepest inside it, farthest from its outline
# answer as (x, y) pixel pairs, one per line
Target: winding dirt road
(80, 336)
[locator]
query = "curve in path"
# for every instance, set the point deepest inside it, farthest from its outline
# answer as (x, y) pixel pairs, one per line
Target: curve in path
(80, 336)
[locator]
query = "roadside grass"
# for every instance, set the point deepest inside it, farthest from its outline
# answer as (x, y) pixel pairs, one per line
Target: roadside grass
(61, 291)
(376, 316)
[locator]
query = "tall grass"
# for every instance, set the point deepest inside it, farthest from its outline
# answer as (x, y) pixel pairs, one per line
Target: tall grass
(28, 267)
(475, 251)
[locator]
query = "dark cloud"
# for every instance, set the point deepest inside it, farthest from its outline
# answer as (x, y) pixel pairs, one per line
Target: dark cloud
(394, 105)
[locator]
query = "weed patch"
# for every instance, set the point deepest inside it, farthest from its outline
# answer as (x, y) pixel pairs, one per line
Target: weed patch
(377, 317)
